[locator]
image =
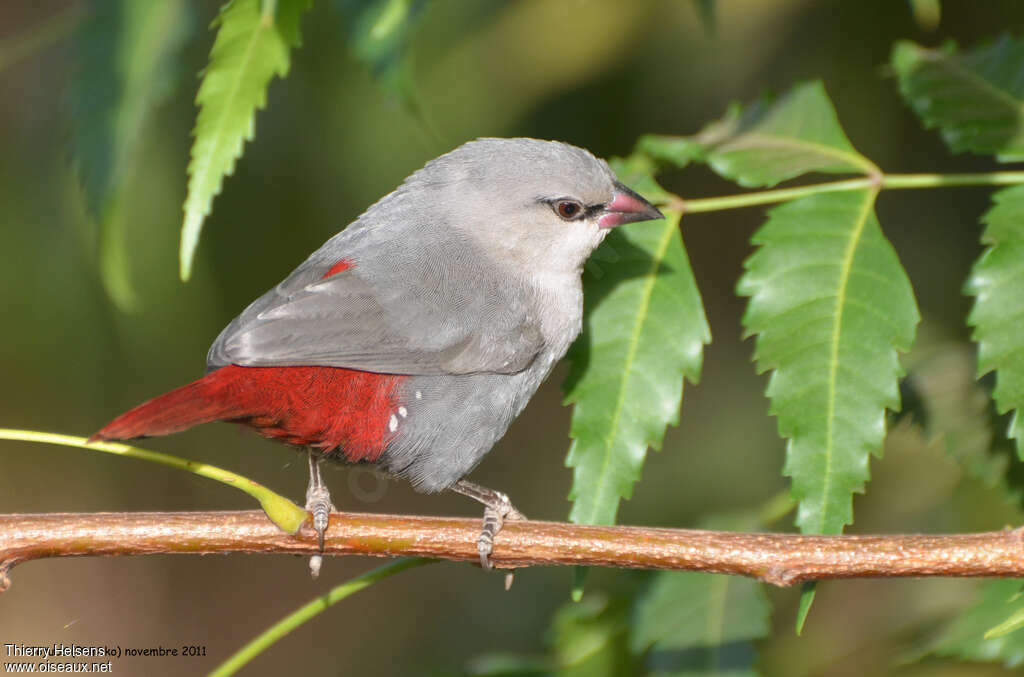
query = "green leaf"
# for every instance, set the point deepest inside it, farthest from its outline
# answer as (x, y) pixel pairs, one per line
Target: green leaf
(974, 98)
(957, 409)
(807, 593)
(998, 313)
(124, 56)
(701, 624)
(126, 67)
(769, 142)
(585, 639)
(965, 637)
(591, 638)
(250, 49)
(831, 306)
(1012, 624)
(381, 30)
(644, 330)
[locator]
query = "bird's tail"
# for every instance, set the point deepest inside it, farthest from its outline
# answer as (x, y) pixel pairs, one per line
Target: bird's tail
(202, 401)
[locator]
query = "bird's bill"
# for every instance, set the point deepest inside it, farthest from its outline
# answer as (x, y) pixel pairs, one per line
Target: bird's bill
(627, 207)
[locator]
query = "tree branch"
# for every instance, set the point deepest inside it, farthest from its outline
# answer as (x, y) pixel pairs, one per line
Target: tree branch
(779, 559)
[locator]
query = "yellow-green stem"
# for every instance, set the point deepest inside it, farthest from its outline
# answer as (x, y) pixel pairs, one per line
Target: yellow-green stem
(887, 182)
(309, 610)
(279, 509)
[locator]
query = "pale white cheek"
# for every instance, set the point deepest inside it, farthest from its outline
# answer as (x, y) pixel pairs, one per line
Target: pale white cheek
(403, 412)
(393, 423)
(570, 250)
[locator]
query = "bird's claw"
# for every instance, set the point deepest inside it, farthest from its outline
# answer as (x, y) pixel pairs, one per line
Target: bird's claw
(495, 515)
(318, 503)
(497, 509)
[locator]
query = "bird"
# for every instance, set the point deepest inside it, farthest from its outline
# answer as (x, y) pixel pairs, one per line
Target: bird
(412, 339)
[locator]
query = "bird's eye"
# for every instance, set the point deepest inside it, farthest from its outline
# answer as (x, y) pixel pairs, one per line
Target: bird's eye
(568, 209)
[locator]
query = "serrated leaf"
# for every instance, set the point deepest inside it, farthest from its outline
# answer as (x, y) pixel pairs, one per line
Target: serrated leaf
(644, 330)
(769, 142)
(250, 49)
(965, 637)
(831, 306)
(975, 98)
(701, 624)
(998, 313)
(125, 55)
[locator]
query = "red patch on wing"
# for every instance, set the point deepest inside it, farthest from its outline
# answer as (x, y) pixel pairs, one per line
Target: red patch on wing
(322, 407)
(342, 265)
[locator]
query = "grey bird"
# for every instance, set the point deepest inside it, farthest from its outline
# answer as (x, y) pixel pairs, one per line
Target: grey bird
(413, 338)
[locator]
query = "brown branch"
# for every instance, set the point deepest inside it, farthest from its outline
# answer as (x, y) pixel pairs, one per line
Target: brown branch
(780, 559)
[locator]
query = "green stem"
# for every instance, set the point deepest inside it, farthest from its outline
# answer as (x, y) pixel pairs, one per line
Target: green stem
(888, 181)
(714, 204)
(279, 509)
(310, 610)
(950, 180)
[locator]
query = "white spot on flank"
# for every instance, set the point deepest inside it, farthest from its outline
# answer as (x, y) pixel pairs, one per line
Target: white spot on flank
(403, 412)
(419, 395)
(392, 423)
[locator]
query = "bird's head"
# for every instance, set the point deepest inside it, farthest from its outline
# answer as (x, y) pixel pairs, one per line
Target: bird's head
(534, 205)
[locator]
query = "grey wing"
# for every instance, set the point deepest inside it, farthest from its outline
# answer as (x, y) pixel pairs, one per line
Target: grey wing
(438, 325)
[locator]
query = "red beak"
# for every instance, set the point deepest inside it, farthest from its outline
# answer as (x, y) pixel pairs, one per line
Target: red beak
(627, 207)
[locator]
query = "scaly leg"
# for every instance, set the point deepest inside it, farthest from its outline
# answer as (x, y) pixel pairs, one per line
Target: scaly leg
(318, 503)
(497, 509)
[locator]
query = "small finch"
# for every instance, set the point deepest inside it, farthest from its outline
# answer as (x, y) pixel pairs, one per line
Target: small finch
(412, 339)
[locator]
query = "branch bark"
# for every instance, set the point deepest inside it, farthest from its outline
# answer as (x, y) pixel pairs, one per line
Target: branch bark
(779, 559)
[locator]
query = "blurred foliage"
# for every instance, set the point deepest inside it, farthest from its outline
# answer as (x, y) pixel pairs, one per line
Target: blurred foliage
(600, 74)
(380, 31)
(966, 637)
(126, 53)
(662, 624)
(952, 406)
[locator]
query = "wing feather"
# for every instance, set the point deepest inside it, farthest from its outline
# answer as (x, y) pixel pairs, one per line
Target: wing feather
(429, 315)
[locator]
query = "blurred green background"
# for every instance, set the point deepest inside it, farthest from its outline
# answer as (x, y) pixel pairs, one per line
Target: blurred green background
(596, 73)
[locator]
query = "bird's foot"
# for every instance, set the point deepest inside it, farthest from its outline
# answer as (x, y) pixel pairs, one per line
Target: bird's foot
(318, 503)
(497, 510)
